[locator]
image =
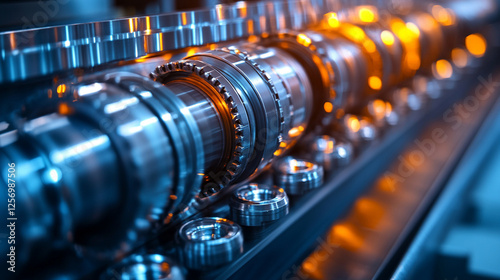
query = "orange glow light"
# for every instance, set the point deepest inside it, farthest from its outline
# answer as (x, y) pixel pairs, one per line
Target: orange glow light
(387, 37)
(294, 132)
(379, 107)
(333, 20)
(61, 89)
(459, 57)
(369, 46)
(131, 24)
(304, 40)
(344, 236)
(413, 28)
(442, 69)
(413, 61)
(328, 106)
(476, 44)
(442, 15)
(375, 83)
(191, 52)
(354, 124)
(148, 26)
(64, 109)
(220, 14)
(367, 14)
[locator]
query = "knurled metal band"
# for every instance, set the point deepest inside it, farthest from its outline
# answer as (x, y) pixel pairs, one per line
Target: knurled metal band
(267, 79)
(236, 108)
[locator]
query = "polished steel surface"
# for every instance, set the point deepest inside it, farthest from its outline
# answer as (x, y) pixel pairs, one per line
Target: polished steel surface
(209, 242)
(268, 105)
(297, 176)
(293, 91)
(32, 53)
(258, 204)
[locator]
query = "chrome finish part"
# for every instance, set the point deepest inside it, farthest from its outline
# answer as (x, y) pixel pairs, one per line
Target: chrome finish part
(209, 242)
(25, 54)
(334, 79)
(266, 106)
(297, 176)
(110, 147)
(144, 267)
(116, 158)
(289, 80)
(331, 153)
(258, 204)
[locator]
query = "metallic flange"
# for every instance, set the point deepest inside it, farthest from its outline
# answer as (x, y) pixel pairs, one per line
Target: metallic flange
(297, 176)
(292, 85)
(243, 55)
(25, 53)
(242, 144)
(306, 48)
(258, 204)
(259, 101)
(209, 242)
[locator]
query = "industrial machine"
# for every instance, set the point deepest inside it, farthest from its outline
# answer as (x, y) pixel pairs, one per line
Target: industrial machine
(285, 139)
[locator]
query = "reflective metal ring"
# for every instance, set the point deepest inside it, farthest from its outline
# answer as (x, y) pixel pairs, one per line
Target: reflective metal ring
(257, 204)
(209, 242)
(298, 176)
(236, 107)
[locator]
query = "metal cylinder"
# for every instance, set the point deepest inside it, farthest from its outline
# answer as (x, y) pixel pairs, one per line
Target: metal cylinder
(266, 104)
(102, 160)
(258, 204)
(297, 176)
(209, 242)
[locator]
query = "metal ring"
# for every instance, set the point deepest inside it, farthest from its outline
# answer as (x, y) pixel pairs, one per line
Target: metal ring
(209, 242)
(298, 176)
(258, 204)
(292, 85)
(242, 144)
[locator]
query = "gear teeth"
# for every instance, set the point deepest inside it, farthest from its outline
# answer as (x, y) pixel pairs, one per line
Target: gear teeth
(267, 78)
(234, 166)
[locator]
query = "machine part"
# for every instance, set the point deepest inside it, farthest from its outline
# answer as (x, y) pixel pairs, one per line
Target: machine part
(334, 78)
(25, 54)
(330, 152)
(291, 84)
(144, 267)
(260, 114)
(209, 242)
(105, 160)
(255, 205)
(297, 176)
(118, 155)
